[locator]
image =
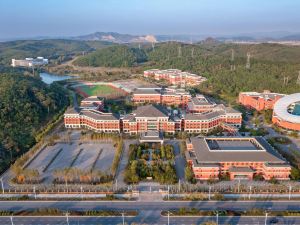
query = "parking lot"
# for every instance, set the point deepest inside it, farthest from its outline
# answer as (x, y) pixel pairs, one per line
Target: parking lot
(84, 156)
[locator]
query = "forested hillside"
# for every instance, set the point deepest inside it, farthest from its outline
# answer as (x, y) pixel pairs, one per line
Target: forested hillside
(26, 104)
(270, 63)
(115, 56)
(56, 50)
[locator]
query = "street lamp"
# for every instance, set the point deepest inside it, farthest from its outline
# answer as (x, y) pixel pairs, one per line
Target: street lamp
(209, 190)
(250, 192)
(11, 220)
(266, 218)
(239, 185)
(179, 186)
(168, 192)
(123, 219)
(34, 191)
(2, 185)
(81, 189)
(217, 218)
(67, 217)
(290, 190)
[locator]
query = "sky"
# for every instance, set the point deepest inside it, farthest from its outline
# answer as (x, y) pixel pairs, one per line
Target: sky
(31, 18)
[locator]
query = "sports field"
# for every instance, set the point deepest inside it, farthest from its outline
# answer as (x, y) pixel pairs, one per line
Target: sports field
(101, 90)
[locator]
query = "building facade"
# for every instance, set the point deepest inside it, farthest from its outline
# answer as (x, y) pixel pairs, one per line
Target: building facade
(175, 77)
(286, 113)
(259, 101)
(150, 118)
(165, 96)
(29, 62)
(237, 158)
(93, 120)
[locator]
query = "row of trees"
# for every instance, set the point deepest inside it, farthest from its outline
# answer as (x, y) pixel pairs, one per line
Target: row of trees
(76, 175)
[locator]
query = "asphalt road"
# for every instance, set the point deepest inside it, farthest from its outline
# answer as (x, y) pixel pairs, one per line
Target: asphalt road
(149, 212)
(143, 220)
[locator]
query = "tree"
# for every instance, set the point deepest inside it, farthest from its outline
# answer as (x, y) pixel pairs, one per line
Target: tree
(189, 174)
(295, 173)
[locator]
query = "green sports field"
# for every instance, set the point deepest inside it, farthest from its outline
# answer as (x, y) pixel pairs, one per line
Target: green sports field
(101, 90)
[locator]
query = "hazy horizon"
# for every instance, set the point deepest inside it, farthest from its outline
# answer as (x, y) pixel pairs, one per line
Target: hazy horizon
(65, 18)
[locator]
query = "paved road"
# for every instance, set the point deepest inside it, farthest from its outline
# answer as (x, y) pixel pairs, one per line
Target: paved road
(149, 205)
(144, 219)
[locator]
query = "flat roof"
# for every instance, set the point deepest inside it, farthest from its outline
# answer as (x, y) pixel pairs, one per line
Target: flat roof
(203, 153)
(233, 145)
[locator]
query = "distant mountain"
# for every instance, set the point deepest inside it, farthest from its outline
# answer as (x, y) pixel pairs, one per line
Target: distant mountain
(116, 37)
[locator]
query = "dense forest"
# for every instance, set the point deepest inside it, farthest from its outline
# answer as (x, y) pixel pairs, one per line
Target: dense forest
(269, 64)
(114, 56)
(26, 104)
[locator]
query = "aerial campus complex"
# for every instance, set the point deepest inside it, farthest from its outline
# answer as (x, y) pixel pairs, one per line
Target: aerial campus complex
(211, 157)
(286, 108)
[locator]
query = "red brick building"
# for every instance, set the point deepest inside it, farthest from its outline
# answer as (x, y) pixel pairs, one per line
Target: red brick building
(92, 119)
(92, 102)
(150, 117)
(259, 101)
(238, 158)
(165, 96)
(175, 77)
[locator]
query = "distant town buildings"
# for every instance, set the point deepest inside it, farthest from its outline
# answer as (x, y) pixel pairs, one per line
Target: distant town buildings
(29, 62)
(164, 96)
(175, 77)
(235, 157)
(259, 101)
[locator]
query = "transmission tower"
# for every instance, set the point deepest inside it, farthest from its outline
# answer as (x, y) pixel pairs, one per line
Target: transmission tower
(179, 51)
(232, 66)
(286, 80)
(248, 61)
(298, 79)
(153, 46)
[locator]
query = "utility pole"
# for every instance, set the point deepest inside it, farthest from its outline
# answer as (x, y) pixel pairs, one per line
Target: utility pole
(209, 190)
(248, 60)
(168, 192)
(81, 190)
(34, 191)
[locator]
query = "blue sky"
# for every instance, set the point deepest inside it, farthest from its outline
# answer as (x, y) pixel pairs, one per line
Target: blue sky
(28, 18)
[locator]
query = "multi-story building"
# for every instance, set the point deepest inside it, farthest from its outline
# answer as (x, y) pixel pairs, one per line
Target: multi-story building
(165, 96)
(204, 115)
(175, 77)
(92, 102)
(259, 101)
(29, 62)
(92, 119)
(238, 158)
(286, 113)
(150, 117)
